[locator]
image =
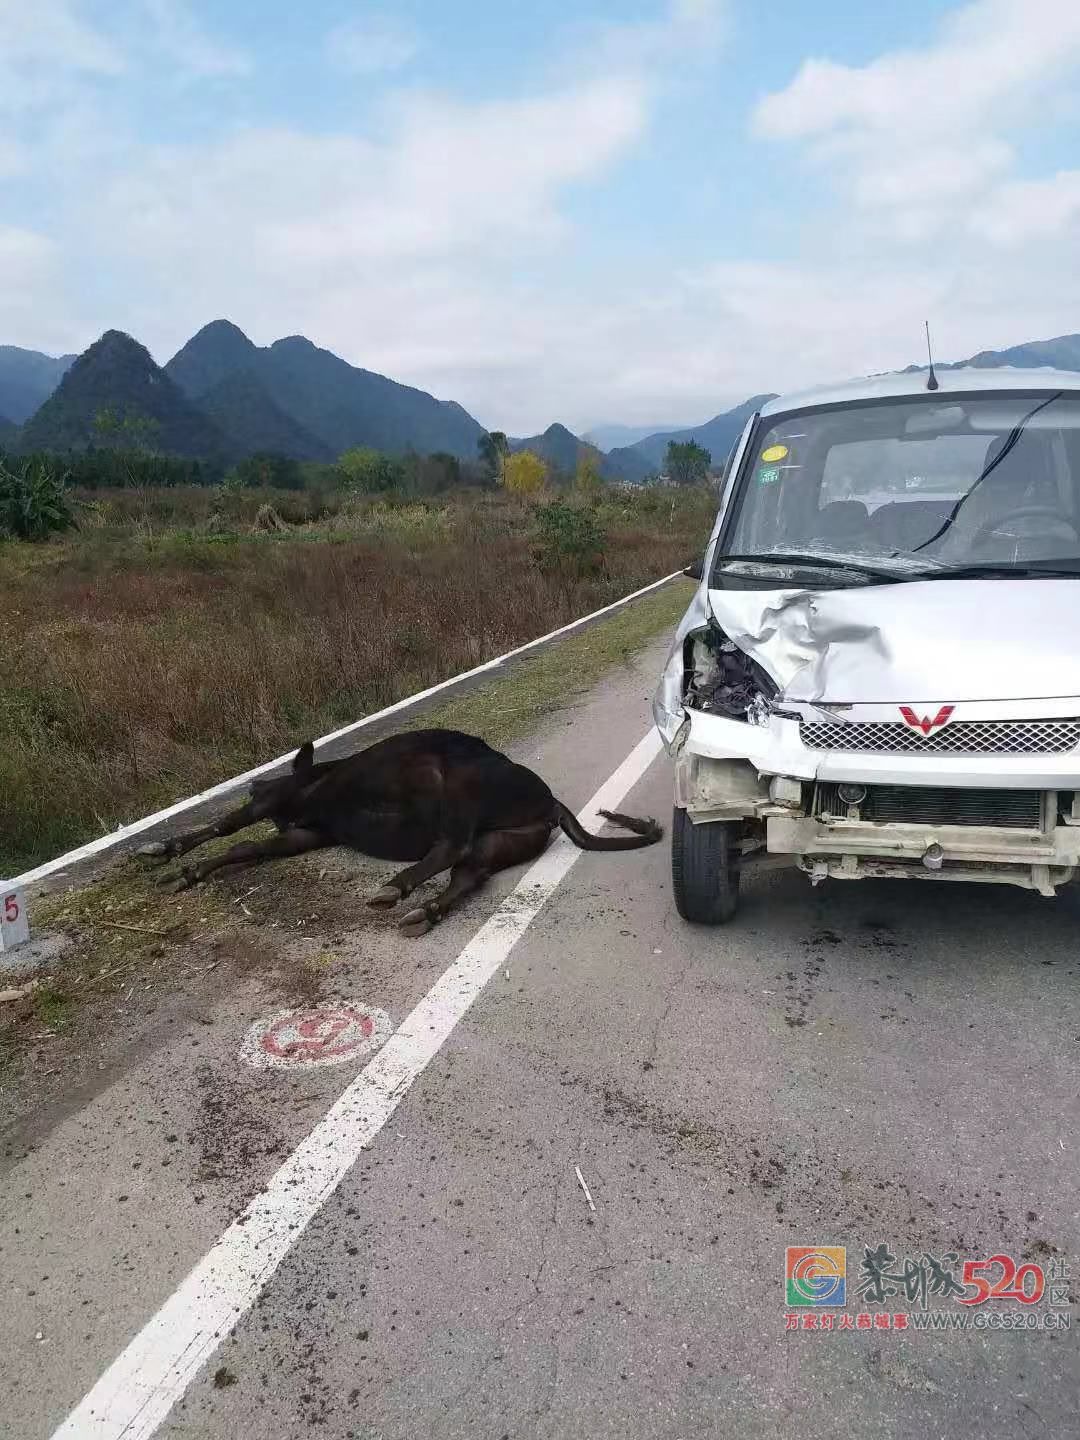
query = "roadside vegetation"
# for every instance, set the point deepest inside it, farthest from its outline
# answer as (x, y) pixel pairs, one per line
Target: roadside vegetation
(35, 500)
(128, 942)
(183, 631)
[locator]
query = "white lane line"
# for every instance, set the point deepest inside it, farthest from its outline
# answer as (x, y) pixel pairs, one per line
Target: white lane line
(142, 1385)
(229, 787)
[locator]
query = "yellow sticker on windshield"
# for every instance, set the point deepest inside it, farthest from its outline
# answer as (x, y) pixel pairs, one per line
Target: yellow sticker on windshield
(774, 453)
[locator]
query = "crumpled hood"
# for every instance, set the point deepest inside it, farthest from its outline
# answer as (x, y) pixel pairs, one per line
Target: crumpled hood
(922, 643)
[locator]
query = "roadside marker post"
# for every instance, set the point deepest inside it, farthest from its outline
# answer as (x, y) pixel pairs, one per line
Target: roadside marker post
(14, 922)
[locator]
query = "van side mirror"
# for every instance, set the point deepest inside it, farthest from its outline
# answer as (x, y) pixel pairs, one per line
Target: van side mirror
(696, 570)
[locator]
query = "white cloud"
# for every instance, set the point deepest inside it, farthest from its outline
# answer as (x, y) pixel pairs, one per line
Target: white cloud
(917, 137)
(293, 205)
(49, 32)
(23, 251)
(14, 159)
(372, 43)
(33, 300)
(184, 41)
(432, 252)
(43, 44)
(434, 246)
(404, 256)
(51, 54)
(686, 31)
(988, 56)
(1029, 210)
(466, 179)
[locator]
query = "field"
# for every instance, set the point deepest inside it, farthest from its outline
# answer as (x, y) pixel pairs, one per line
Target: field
(183, 635)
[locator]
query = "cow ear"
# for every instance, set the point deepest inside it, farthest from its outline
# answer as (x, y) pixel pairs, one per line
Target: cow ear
(304, 759)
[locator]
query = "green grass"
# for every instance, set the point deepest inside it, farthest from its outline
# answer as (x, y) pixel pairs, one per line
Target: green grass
(52, 1007)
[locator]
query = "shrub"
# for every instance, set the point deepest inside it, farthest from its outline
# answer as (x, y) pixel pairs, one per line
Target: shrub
(34, 501)
(587, 480)
(365, 471)
(101, 469)
(571, 538)
(265, 471)
(524, 473)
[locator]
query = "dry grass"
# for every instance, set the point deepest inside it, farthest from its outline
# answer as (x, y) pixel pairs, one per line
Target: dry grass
(134, 948)
(166, 646)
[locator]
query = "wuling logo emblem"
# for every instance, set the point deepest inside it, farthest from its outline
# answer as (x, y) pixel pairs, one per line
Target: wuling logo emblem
(924, 722)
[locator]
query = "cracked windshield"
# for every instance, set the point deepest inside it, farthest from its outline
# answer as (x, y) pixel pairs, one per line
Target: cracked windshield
(923, 483)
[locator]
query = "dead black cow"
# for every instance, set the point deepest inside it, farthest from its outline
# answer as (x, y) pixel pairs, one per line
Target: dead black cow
(439, 798)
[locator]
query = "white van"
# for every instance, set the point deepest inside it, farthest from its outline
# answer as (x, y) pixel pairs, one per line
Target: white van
(879, 674)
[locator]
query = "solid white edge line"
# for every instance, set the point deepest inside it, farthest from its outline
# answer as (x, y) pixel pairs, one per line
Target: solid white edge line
(140, 1387)
(116, 837)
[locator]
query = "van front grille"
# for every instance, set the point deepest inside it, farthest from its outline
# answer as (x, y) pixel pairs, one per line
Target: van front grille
(962, 737)
(937, 805)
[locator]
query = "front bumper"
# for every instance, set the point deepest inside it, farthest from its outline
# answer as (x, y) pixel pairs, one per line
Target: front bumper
(854, 850)
(729, 769)
(777, 749)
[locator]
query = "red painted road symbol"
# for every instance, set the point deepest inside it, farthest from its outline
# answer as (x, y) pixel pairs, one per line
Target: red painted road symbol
(924, 722)
(323, 1035)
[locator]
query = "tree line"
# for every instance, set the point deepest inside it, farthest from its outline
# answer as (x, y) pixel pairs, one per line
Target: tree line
(35, 489)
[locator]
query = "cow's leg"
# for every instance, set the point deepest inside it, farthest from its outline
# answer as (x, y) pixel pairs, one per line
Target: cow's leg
(179, 845)
(288, 842)
(441, 856)
(493, 851)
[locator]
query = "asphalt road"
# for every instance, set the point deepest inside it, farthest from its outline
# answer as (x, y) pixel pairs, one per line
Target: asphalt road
(852, 1066)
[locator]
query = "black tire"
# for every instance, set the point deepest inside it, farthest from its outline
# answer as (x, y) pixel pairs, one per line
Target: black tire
(704, 869)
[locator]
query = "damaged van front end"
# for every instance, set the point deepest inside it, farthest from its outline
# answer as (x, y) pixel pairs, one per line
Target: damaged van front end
(881, 678)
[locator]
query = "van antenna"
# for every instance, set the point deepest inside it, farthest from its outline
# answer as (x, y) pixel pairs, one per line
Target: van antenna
(932, 381)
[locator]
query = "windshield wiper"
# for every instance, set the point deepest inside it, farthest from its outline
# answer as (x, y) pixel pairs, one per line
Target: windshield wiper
(1026, 570)
(822, 562)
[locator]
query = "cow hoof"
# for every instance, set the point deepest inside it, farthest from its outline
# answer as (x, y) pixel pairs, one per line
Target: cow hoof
(415, 923)
(173, 884)
(386, 898)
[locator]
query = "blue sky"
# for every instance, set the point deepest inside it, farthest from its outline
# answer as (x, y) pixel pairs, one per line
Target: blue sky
(636, 212)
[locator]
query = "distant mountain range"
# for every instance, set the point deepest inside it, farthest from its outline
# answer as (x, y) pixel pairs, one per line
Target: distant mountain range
(27, 379)
(335, 404)
(717, 435)
(1062, 353)
(620, 437)
(562, 450)
(560, 447)
(118, 374)
(222, 397)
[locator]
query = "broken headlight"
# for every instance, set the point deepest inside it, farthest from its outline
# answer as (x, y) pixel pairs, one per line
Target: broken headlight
(721, 680)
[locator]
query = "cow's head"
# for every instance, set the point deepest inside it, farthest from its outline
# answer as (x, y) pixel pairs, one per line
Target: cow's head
(278, 798)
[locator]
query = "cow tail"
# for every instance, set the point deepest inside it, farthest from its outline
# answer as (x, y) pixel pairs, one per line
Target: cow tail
(645, 832)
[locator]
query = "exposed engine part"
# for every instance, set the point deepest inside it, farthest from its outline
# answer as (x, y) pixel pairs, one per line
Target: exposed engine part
(852, 794)
(934, 805)
(786, 790)
(721, 680)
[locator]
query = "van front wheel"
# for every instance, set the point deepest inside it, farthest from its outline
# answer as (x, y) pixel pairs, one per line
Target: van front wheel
(704, 869)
